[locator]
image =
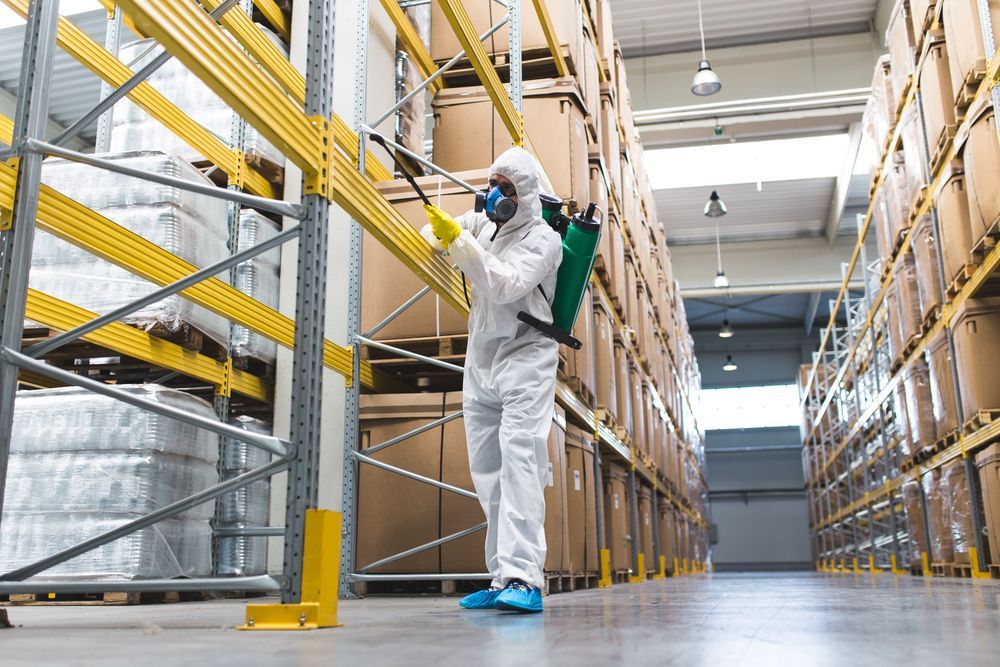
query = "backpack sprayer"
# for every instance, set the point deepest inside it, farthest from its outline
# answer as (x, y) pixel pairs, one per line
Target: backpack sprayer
(580, 236)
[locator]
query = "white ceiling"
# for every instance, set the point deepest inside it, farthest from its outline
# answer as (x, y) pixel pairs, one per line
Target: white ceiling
(646, 27)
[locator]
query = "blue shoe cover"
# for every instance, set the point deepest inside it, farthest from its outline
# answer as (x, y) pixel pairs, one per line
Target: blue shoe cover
(518, 596)
(480, 599)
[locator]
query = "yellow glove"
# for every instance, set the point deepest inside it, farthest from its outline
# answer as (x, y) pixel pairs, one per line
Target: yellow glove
(443, 225)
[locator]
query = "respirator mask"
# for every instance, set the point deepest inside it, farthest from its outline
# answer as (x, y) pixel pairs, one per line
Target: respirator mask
(497, 202)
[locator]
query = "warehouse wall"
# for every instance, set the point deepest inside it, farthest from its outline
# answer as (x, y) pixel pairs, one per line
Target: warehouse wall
(761, 70)
(756, 530)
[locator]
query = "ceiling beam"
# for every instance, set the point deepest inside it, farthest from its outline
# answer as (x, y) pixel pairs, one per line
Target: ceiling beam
(8, 102)
(843, 186)
(768, 289)
(811, 309)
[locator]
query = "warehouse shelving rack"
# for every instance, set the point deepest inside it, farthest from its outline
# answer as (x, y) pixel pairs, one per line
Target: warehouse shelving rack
(507, 103)
(294, 112)
(828, 455)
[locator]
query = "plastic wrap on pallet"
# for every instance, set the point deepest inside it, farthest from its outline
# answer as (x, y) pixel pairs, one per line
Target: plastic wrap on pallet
(925, 256)
(914, 152)
(411, 117)
(192, 227)
(955, 493)
(899, 39)
(908, 297)
(920, 416)
(133, 127)
(942, 547)
(258, 278)
(914, 520)
(247, 507)
(82, 464)
(897, 196)
(945, 407)
(901, 420)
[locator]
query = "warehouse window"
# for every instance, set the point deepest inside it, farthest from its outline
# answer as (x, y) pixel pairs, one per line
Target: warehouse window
(749, 407)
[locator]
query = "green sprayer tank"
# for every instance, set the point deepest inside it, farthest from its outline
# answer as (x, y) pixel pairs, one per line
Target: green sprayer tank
(580, 236)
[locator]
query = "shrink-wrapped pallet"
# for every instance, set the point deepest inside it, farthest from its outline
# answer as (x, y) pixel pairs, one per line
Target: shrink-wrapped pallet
(258, 278)
(247, 507)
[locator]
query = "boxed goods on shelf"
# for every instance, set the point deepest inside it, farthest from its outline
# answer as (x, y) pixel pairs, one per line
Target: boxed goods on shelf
(935, 89)
(668, 536)
(617, 533)
(191, 226)
(942, 385)
(892, 324)
(908, 297)
(964, 34)
(982, 164)
(942, 547)
(916, 381)
(565, 16)
(955, 493)
(610, 139)
(387, 283)
(881, 109)
(604, 344)
(590, 84)
(623, 387)
(638, 431)
(898, 196)
(258, 278)
(914, 521)
(553, 118)
(246, 507)
(925, 257)
(580, 363)
(988, 462)
(83, 464)
(599, 193)
(617, 270)
(646, 518)
(901, 420)
(557, 557)
(133, 128)
(581, 501)
(631, 291)
(459, 513)
(915, 154)
(976, 329)
(954, 220)
(605, 35)
(919, 15)
(900, 40)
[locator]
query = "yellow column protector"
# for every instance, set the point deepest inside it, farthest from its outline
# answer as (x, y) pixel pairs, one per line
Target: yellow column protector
(187, 32)
(98, 60)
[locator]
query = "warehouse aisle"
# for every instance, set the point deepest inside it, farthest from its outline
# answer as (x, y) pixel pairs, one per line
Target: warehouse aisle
(767, 619)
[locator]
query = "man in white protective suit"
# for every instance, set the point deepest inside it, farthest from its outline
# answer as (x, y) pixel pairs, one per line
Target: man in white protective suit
(511, 258)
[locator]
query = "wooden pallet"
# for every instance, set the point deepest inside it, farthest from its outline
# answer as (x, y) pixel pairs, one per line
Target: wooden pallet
(980, 420)
(620, 576)
(984, 245)
(970, 87)
(994, 571)
(420, 587)
(961, 570)
(536, 63)
(962, 277)
(585, 580)
(942, 146)
(581, 390)
(255, 366)
(931, 319)
(559, 582)
(272, 173)
(925, 26)
(110, 598)
(603, 271)
(421, 374)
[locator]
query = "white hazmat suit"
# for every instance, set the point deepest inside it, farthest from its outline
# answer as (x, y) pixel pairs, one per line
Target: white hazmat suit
(510, 370)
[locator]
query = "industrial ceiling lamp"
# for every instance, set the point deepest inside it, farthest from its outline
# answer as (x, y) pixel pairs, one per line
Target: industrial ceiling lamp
(730, 365)
(726, 331)
(715, 208)
(706, 82)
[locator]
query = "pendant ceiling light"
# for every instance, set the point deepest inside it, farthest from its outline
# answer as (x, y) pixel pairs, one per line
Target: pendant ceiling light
(706, 81)
(730, 365)
(727, 330)
(715, 209)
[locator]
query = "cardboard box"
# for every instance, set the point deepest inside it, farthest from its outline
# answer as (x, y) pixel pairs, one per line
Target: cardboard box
(942, 546)
(936, 92)
(565, 16)
(988, 462)
(599, 189)
(581, 501)
(668, 533)
(387, 526)
(982, 164)
(963, 31)
(581, 362)
(468, 134)
(646, 519)
(458, 513)
(605, 34)
(976, 329)
(387, 283)
(610, 140)
(617, 269)
(899, 38)
(557, 557)
(623, 383)
(958, 515)
(616, 524)
(638, 408)
(953, 216)
(620, 78)
(590, 85)
(604, 348)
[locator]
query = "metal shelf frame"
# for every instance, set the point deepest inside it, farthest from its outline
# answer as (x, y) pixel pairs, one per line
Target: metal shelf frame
(867, 440)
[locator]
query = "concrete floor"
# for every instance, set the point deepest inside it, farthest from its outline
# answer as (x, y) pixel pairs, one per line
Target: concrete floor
(721, 620)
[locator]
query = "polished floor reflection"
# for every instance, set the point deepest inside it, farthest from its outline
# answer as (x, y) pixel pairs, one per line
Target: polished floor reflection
(718, 620)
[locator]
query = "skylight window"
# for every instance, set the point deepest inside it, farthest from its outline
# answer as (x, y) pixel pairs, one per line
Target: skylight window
(749, 162)
(749, 407)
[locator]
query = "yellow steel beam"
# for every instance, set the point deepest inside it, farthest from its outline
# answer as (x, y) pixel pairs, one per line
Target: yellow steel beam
(6, 130)
(549, 30)
(132, 342)
(109, 5)
(186, 30)
(411, 41)
(460, 22)
(591, 25)
(98, 60)
(274, 16)
(347, 141)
